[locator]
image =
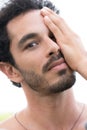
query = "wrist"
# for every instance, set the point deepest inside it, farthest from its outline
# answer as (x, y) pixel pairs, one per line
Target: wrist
(82, 67)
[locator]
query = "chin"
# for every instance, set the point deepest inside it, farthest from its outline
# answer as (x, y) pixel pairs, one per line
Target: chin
(64, 83)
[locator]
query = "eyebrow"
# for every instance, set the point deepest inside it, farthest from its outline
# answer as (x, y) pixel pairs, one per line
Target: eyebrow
(27, 37)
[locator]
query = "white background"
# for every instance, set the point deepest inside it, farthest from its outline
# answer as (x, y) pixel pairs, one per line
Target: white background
(74, 12)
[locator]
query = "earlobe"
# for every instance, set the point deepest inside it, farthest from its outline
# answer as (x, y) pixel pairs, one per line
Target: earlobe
(11, 72)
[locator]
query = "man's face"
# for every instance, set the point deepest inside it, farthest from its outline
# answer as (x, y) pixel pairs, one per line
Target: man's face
(37, 55)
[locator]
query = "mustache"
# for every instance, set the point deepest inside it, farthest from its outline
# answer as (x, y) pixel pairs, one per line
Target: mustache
(53, 58)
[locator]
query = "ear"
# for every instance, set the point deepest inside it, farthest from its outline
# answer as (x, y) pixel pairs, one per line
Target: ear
(11, 72)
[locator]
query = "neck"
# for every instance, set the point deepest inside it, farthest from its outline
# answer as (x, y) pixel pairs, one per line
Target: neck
(55, 110)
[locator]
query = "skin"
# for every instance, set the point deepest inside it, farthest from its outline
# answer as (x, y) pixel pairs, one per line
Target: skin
(55, 111)
(42, 44)
(71, 47)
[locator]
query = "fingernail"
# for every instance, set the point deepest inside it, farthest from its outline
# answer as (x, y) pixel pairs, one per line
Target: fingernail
(43, 10)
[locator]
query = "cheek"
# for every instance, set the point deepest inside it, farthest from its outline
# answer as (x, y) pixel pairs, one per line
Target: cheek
(36, 61)
(32, 62)
(37, 64)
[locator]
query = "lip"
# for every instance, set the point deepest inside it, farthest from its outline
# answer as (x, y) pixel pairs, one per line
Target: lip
(56, 64)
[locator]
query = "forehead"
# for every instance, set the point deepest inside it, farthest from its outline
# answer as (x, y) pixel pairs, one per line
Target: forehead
(29, 22)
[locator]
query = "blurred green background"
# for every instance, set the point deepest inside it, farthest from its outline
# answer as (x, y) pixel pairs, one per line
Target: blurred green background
(4, 116)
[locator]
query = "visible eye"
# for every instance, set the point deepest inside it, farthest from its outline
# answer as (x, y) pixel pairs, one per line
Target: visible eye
(31, 45)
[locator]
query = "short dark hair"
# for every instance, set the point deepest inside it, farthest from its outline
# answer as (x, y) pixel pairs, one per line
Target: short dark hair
(12, 9)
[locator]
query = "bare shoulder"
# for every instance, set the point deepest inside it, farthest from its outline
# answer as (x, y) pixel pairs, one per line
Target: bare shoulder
(9, 124)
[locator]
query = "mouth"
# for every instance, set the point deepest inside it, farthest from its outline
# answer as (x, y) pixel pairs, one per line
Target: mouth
(57, 65)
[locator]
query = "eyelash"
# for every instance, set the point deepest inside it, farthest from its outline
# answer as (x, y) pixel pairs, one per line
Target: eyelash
(31, 45)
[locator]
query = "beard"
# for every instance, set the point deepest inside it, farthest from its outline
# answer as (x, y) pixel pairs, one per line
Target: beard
(38, 83)
(41, 85)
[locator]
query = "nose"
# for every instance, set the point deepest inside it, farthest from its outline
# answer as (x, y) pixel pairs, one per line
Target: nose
(51, 47)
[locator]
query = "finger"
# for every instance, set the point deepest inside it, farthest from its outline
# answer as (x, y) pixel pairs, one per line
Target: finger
(53, 16)
(56, 20)
(53, 28)
(46, 11)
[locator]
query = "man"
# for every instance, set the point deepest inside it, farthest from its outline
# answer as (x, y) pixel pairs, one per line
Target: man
(40, 53)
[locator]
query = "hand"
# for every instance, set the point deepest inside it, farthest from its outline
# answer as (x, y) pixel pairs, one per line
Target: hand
(70, 44)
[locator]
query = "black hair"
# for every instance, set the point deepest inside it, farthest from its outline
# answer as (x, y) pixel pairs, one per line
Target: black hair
(12, 9)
